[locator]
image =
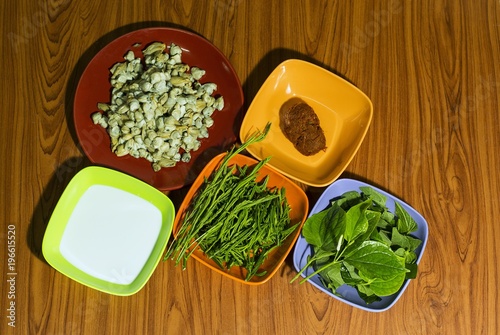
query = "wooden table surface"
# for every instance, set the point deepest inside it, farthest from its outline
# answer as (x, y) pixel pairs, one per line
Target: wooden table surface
(432, 71)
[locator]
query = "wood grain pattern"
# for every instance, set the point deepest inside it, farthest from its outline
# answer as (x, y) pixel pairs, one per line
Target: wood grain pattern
(431, 69)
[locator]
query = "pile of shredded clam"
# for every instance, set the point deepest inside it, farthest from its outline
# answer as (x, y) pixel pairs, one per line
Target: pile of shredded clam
(158, 110)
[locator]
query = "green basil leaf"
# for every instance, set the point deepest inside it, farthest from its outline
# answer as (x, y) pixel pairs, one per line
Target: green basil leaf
(400, 252)
(351, 195)
(369, 299)
(332, 276)
(405, 222)
(387, 287)
(381, 236)
(383, 224)
(349, 275)
(373, 218)
(366, 293)
(337, 218)
(375, 196)
(349, 199)
(376, 260)
(399, 240)
(356, 222)
(414, 243)
(410, 257)
(404, 241)
(314, 229)
(388, 216)
(413, 268)
(323, 228)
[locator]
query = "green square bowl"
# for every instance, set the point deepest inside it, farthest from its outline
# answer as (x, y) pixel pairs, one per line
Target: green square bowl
(108, 231)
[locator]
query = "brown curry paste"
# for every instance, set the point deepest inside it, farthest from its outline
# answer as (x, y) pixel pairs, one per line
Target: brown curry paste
(300, 125)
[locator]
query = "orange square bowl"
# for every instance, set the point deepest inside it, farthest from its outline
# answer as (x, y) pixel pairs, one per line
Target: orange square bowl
(345, 114)
(299, 207)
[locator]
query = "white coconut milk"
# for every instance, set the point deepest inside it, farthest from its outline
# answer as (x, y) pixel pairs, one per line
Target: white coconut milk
(111, 233)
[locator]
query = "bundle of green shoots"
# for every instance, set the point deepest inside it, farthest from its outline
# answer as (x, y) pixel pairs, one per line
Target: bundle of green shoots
(233, 219)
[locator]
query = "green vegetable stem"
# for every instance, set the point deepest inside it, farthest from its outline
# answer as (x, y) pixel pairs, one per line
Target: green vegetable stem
(357, 241)
(233, 219)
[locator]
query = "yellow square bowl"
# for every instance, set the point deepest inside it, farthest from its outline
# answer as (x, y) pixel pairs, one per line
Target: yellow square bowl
(345, 114)
(296, 198)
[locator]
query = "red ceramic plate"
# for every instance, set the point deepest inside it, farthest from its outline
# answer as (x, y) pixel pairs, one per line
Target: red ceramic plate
(94, 87)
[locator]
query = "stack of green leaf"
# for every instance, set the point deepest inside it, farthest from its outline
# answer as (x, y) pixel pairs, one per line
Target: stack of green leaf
(357, 241)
